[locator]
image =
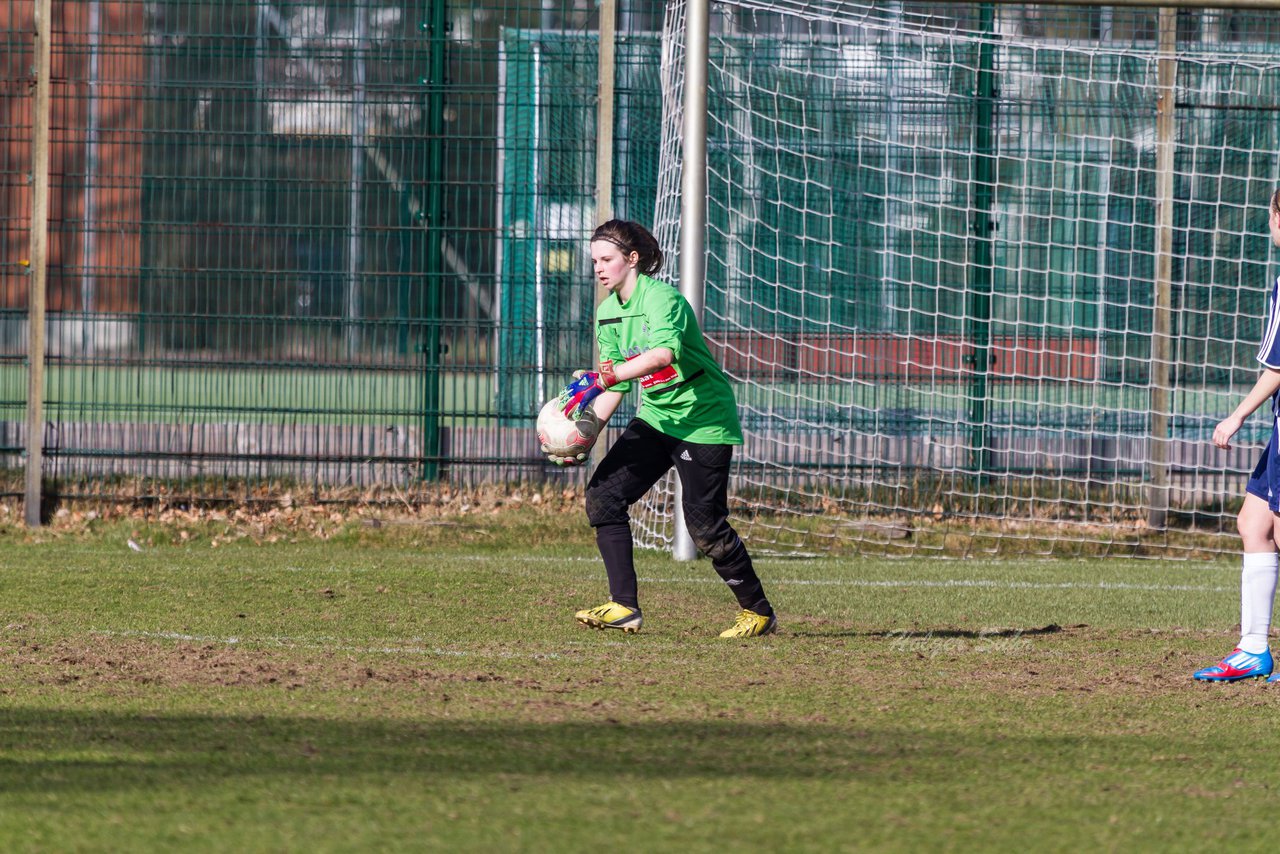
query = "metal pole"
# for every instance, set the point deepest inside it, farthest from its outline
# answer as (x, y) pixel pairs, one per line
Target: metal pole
(39, 263)
(359, 141)
(981, 230)
(693, 205)
(538, 221)
(88, 280)
(256, 156)
(604, 112)
(604, 153)
(893, 113)
(1162, 320)
(746, 210)
(433, 262)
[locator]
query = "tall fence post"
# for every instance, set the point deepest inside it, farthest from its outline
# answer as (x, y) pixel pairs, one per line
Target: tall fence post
(353, 296)
(1162, 321)
(606, 72)
(433, 208)
(982, 233)
(604, 111)
(39, 262)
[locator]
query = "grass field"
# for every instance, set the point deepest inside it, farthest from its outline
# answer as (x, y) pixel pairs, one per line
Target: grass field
(423, 687)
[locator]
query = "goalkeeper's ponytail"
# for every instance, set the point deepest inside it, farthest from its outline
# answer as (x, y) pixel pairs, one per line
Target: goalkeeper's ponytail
(632, 237)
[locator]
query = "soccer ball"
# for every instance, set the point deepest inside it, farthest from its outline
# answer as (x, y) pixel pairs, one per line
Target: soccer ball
(562, 437)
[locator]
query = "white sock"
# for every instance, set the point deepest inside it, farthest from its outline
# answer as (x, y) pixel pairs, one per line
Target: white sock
(1257, 594)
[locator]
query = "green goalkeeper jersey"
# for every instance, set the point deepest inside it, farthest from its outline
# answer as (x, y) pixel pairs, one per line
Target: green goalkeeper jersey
(690, 399)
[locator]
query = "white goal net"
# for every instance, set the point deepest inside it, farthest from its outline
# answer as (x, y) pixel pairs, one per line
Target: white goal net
(933, 271)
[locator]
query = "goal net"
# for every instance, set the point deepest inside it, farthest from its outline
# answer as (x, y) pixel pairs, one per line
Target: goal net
(933, 271)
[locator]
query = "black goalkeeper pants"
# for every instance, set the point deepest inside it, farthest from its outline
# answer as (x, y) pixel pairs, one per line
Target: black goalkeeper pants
(638, 460)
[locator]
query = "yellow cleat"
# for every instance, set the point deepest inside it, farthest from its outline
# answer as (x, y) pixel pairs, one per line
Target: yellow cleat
(611, 615)
(751, 625)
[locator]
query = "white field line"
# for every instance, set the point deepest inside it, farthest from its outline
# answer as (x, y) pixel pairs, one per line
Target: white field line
(982, 583)
(711, 578)
(942, 583)
(399, 561)
(990, 563)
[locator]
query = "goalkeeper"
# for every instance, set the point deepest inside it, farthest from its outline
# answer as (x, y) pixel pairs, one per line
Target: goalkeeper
(688, 418)
(1259, 519)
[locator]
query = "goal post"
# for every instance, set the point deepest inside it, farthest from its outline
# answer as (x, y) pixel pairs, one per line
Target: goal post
(985, 276)
(693, 206)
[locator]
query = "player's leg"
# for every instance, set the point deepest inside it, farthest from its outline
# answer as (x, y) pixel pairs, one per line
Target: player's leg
(1261, 562)
(1258, 593)
(1260, 566)
(633, 465)
(704, 478)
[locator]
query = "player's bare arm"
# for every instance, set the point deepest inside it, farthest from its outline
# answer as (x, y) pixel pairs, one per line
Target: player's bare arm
(1267, 385)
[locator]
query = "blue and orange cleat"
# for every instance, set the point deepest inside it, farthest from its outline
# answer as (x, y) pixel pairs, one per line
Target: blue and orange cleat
(1238, 665)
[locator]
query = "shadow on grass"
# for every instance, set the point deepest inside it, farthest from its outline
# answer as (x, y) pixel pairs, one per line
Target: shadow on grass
(67, 751)
(930, 634)
(974, 634)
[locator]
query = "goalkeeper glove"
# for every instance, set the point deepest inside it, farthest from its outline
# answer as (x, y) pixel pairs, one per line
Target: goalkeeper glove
(567, 462)
(579, 457)
(586, 387)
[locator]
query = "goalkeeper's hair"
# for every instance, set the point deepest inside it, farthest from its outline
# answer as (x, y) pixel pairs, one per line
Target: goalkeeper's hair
(632, 237)
(1275, 202)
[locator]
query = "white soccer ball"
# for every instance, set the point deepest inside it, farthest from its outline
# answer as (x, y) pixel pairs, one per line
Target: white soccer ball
(560, 436)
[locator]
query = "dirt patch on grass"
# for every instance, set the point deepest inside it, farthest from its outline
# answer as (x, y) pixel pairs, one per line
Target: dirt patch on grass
(110, 660)
(1057, 660)
(890, 668)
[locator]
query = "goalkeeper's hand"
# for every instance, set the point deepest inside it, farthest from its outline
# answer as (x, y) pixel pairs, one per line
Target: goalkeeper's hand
(586, 387)
(567, 462)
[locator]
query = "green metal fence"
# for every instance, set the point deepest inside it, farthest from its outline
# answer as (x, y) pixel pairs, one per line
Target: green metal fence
(341, 244)
(291, 242)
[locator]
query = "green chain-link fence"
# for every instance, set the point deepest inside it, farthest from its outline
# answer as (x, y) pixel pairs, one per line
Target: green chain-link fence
(292, 243)
(341, 244)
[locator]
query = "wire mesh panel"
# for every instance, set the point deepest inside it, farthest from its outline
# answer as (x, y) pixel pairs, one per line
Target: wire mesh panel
(279, 256)
(342, 246)
(236, 284)
(548, 197)
(932, 267)
(17, 58)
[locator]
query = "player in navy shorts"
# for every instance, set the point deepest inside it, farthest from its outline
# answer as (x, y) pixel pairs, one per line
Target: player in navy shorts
(1259, 519)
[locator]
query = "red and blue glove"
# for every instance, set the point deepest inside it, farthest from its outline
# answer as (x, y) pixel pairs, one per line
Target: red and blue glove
(586, 387)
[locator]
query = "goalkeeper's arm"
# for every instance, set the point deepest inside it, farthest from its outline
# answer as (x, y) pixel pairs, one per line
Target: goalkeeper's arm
(589, 385)
(642, 365)
(605, 405)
